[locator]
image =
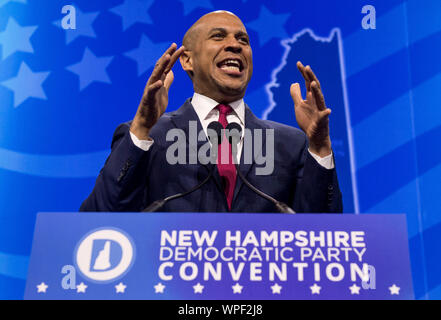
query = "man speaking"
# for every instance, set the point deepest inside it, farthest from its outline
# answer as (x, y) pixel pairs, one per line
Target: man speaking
(217, 56)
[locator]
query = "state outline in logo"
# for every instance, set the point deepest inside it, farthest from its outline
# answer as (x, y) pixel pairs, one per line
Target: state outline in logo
(122, 267)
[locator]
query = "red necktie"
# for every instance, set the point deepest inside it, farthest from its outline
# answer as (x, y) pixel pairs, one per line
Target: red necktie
(225, 165)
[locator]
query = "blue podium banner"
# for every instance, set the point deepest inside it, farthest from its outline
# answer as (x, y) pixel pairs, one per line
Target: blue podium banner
(210, 256)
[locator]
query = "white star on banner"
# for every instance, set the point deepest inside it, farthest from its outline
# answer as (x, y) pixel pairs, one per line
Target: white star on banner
(16, 38)
(276, 288)
(42, 287)
(91, 68)
(159, 288)
(26, 84)
(3, 2)
(198, 288)
(81, 288)
(83, 25)
(147, 53)
(237, 288)
(133, 11)
(315, 289)
(266, 19)
(394, 290)
(190, 5)
(120, 288)
(354, 289)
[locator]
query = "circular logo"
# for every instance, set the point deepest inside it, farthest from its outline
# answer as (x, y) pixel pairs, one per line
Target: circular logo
(104, 255)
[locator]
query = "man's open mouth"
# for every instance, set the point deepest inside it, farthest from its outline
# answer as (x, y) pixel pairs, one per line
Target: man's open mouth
(231, 65)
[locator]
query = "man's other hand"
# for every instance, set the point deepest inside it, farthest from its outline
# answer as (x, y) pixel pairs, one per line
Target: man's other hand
(155, 98)
(312, 115)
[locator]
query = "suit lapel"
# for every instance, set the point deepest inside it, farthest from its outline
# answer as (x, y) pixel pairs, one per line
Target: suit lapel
(181, 119)
(251, 123)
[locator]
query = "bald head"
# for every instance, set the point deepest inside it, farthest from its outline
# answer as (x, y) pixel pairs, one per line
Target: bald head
(192, 34)
(218, 56)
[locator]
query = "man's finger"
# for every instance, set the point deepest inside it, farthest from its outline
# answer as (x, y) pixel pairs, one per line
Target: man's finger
(170, 50)
(324, 115)
(311, 75)
(162, 64)
(304, 75)
(318, 95)
(151, 91)
(168, 80)
(158, 70)
(296, 94)
(174, 58)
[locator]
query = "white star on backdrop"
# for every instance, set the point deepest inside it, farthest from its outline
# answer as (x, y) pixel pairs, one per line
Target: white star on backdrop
(315, 289)
(198, 288)
(269, 25)
(120, 288)
(16, 38)
(147, 53)
(394, 290)
(3, 2)
(190, 5)
(276, 288)
(26, 84)
(91, 68)
(42, 287)
(355, 289)
(83, 25)
(237, 288)
(159, 288)
(133, 11)
(81, 288)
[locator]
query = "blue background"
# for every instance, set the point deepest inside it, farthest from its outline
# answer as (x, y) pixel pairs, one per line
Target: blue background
(63, 92)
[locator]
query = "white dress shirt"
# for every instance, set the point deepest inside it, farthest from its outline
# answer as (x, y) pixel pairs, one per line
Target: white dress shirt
(207, 112)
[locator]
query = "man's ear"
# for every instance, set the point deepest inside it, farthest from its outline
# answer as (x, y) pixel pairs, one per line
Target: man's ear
(186, 62)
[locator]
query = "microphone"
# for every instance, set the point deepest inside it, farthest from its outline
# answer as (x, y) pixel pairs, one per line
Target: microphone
(214, 132)
(234, 133)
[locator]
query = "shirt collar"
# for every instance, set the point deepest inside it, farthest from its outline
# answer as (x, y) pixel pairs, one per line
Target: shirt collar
(204, 105)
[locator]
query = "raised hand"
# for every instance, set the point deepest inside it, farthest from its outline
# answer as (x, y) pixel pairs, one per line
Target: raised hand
(155, 98)
(312, 115)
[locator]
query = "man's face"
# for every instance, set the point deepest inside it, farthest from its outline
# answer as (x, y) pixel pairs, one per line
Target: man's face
(221, 58)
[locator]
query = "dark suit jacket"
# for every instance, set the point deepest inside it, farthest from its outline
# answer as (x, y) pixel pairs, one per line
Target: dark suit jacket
(131, 178)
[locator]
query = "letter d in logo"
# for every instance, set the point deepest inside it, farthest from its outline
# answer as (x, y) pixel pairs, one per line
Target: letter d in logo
(104, 255)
